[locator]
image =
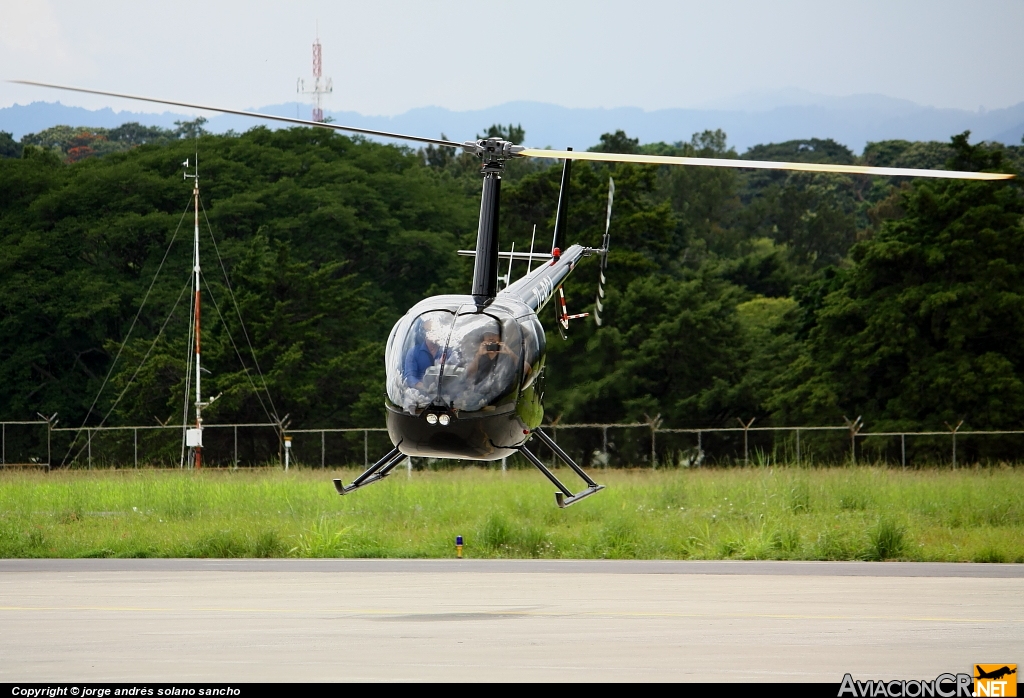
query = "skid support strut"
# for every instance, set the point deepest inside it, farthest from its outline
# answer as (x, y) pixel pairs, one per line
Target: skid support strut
(378, 471)
(564, 497)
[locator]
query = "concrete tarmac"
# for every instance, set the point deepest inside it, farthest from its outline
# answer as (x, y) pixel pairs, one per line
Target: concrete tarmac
(502, 620)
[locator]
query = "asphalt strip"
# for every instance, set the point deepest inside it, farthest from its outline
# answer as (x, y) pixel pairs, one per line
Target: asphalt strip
(691, 567)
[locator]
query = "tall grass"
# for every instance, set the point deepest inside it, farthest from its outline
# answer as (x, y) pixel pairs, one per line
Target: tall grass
(749, 513)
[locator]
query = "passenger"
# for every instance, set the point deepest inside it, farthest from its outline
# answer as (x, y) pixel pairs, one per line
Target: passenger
(492, 356)
(424, 354)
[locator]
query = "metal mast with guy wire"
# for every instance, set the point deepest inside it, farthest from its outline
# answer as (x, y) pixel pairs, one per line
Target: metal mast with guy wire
(194, 436)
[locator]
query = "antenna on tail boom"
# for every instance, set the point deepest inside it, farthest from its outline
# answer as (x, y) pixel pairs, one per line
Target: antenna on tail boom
(562, 215)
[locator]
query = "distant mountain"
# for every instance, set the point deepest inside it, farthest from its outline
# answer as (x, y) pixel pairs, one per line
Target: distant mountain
(37, 116)
(748, 120)
(793, 97)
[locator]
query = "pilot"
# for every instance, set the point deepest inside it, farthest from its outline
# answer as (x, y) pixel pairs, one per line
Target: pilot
(424, 354)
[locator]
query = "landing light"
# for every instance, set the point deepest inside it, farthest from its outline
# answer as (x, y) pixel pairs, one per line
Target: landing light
(431, 418)
(444, 419)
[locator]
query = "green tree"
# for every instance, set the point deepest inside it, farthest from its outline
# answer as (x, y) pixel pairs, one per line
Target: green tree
(191, 129)
(617, 142)
(704, 199)
(326, 240)
(669, 347)
(439, 157)
(927, 324)
(134, 133)
(513, 134)
(9, 148)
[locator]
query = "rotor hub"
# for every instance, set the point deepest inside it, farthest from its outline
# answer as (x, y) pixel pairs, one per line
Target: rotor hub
(493, 152)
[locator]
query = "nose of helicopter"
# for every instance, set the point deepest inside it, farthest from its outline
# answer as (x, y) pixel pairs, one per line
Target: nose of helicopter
(454, 375)
(483, 435)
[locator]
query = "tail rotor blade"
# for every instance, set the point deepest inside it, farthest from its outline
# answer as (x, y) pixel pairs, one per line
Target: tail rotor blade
(611, 198)
(605, 243)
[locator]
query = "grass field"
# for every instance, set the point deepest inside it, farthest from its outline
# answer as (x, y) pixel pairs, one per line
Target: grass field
(753, 513)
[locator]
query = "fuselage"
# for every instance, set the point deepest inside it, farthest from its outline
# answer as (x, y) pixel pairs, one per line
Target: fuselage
(465, 374)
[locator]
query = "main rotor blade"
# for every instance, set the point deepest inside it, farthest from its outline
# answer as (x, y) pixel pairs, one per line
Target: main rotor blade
(240, 112)
(758, 164)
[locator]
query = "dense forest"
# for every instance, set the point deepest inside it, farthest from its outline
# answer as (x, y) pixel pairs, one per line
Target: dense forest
(795, 298)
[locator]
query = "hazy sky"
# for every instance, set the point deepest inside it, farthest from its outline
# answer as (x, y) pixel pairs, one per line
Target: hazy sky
(387, 57)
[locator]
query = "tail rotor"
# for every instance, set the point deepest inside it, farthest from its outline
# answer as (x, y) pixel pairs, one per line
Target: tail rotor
(605, 242)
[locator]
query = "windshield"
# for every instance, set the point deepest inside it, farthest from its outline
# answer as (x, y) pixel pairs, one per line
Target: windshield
(414, 359)
(468, 362)
(534, 343)
(483, 364)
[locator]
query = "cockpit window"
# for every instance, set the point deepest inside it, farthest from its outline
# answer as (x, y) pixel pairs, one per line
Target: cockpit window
(534, 342)
(469, 362)
(484, 363)
(415, 354)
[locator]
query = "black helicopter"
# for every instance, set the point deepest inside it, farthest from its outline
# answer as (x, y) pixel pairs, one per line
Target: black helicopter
(465, 373)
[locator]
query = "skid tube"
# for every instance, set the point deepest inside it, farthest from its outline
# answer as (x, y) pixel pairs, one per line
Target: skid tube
(564, 497)
(376, 472)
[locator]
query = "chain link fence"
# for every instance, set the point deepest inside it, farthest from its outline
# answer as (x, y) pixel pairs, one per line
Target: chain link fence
(641, 444)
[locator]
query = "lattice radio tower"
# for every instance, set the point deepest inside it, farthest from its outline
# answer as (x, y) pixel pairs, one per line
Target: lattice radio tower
(321, 86)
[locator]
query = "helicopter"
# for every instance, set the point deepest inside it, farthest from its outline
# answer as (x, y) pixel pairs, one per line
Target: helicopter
(465, 373)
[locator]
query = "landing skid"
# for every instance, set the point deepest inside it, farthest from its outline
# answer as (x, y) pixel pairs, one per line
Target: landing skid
(376, 472)
(564, 497)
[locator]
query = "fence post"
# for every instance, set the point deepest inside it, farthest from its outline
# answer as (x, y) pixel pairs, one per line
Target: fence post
(3, 443)
(798, 447)
(604, 443)
(903, 450)
(654, 424)
(323, 448)
(366, 448)
(282, 426)
(746, 427)
(854, 427)
(135, 442)
(88, 436)
(700, 450)
(49, 428)
(954, 430)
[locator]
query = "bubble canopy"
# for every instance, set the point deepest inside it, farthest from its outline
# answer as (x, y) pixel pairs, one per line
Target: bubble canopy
(455, 356)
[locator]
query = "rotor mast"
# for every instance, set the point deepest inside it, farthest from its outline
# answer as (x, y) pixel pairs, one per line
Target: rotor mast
(494, 152)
